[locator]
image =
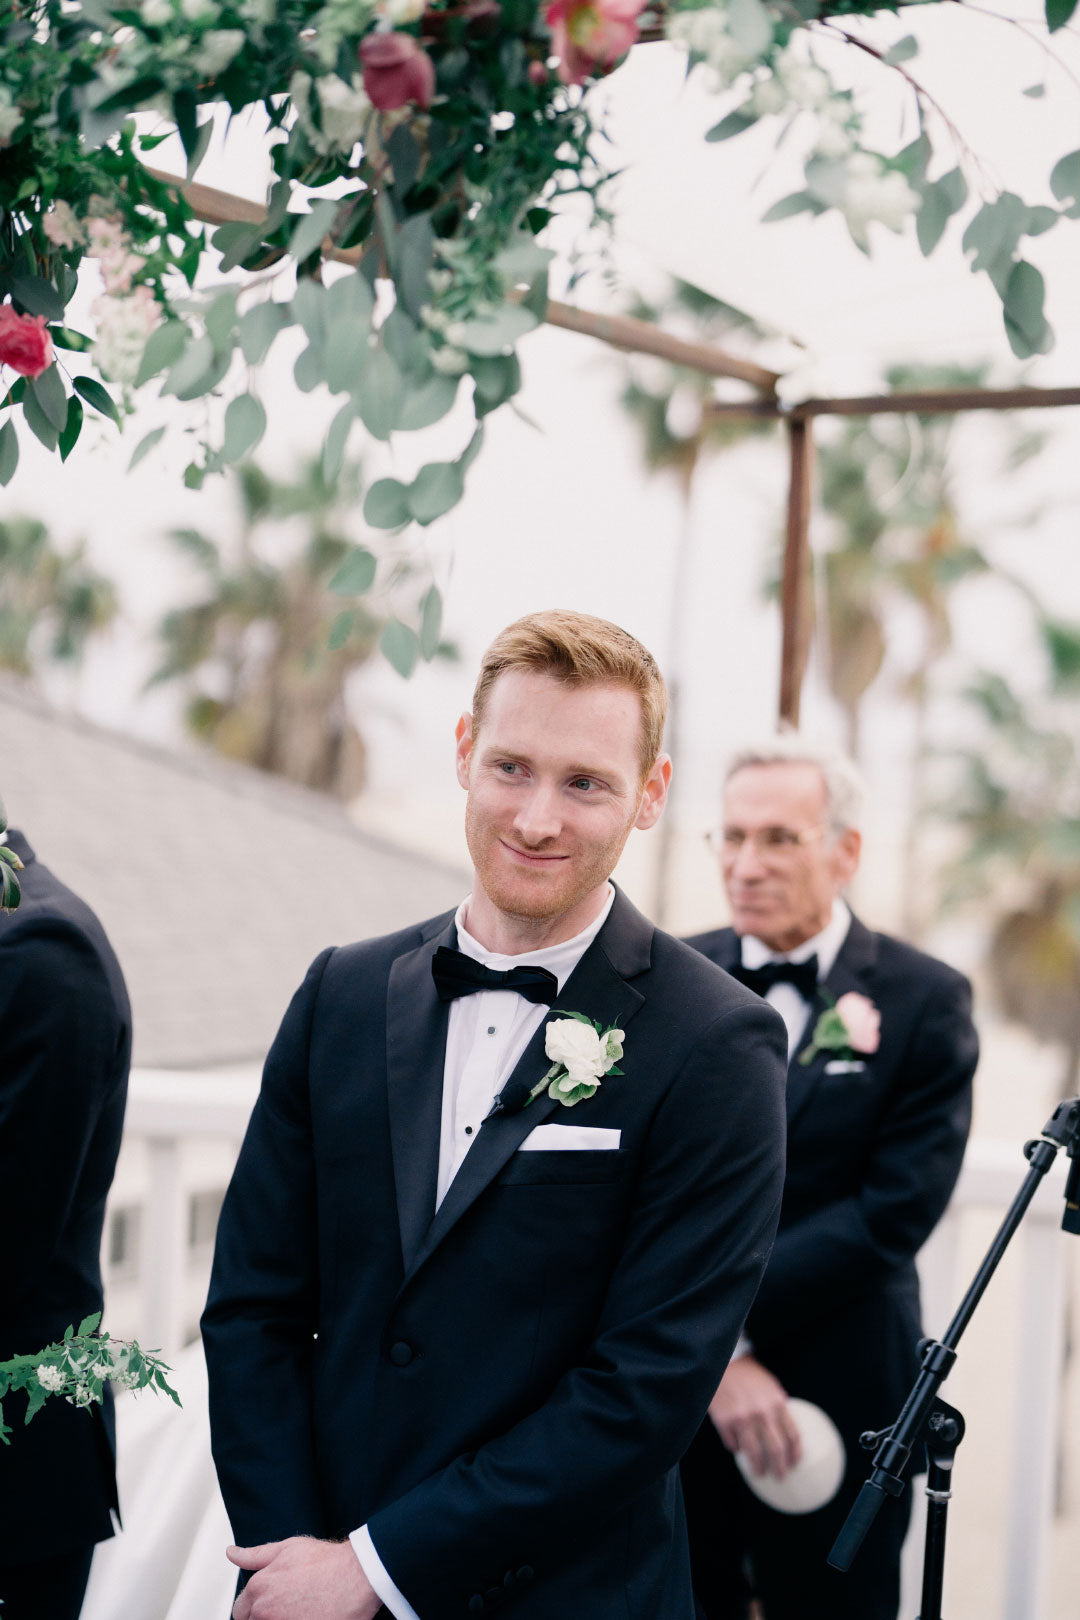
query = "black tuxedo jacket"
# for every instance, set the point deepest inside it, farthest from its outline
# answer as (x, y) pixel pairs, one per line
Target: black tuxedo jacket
(873, 1155)
(501, 1390)
(65, 1044)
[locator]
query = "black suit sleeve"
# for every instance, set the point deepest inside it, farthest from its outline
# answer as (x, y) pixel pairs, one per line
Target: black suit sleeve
(697, 1237)
(820, 1262)
(60, 1034)
(262, 1313)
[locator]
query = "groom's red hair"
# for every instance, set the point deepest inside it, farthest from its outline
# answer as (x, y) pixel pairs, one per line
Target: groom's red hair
(582, 651)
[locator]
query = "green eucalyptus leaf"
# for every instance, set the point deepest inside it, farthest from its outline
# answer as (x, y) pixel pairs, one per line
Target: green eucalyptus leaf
(64, 338)
(398, 335)
(412, 261)
(941, 199)
(1065, 183)
(1025, 322)
(187, 372)
(437, 487)
(220, 321)
(346, 353)
(350, 297)
(356, 573)
(387, 504)
(72, 427)
(48, 389)
(400, 647)
(309, 307)
(379, 393)
(994, 234)
(429, 403)
(245, 424)
(430, 622)
(1040, 219)
(235, 242)
(257, 328)
(341, 630)
(38, 422)
(164, 347)
(333, 454)
(796, 202)
(734, 124)
(308, 372)
(145, 445)
(1035, 91)
(9, 452)
(499, 332)
(308, 235)
(750, 26)
(902, 51)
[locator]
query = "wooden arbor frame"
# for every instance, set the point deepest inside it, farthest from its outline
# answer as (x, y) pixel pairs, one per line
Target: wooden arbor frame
(640, 337)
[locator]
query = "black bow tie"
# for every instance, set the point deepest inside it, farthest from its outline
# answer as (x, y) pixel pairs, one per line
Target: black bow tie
(456, 974)
(803, 975)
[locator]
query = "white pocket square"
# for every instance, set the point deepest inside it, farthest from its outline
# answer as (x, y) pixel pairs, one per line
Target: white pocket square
(548, 1138)
(845, 1066)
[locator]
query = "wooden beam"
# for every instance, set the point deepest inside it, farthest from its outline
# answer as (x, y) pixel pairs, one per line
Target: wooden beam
(795, 595)
(930, 402)
(618, 331)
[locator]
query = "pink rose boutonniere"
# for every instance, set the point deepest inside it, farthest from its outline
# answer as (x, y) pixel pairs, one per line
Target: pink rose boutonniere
(850, 1026)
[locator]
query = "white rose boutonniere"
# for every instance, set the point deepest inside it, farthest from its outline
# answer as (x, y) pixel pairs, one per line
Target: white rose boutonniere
(850, 1025)
(581, 1053)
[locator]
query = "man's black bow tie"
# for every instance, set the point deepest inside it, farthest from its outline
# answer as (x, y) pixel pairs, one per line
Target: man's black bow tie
(456, 974)
(803, 975)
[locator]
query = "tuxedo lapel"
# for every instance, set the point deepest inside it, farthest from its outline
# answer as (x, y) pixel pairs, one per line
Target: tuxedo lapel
(416, 1025)
(597, 987)
(855, 957)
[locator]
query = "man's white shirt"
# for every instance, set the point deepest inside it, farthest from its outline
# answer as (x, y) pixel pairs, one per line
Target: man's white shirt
(792, 1006)
(486, 1034)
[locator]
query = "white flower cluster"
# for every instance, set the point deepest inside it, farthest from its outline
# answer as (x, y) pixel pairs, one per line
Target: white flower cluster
(706, 34)
(583, 1052)
(123, 326)
(344, 111)
(337, 21)
(874, 193)
(51, 1378)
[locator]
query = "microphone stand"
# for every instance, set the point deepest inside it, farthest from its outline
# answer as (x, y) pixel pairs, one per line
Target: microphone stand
(924, 1417)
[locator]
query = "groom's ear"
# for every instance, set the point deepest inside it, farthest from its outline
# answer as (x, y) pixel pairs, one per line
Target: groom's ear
(654, 793)
(463, 731)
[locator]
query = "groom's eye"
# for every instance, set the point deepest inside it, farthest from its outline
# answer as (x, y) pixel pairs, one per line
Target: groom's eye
(585, 783)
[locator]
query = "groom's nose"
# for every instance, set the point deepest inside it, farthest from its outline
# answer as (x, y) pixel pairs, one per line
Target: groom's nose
(539, 815)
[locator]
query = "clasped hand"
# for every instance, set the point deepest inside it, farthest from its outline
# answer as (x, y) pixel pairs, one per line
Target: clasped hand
(303, 1579)
(750, 1413)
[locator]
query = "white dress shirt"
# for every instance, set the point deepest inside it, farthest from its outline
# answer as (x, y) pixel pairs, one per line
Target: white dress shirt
(790, 1003)
(486, 1034)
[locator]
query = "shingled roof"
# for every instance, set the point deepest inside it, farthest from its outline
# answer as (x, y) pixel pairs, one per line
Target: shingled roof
(217, 884)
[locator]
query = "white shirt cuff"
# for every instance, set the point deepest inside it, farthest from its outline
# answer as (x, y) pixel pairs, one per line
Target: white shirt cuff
(375, 1570)
(742, 1348)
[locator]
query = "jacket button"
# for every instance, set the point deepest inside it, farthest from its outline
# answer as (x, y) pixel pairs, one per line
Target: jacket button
(525, 1573)
(401, 1353)
(476, 1604)
(508, 1579)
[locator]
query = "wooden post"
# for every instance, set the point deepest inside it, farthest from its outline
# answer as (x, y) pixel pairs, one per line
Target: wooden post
(795, 597)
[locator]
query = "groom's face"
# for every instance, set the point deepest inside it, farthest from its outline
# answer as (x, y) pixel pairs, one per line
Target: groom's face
(555, 786)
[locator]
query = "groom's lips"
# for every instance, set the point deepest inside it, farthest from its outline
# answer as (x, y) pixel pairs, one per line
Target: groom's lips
(531, 859)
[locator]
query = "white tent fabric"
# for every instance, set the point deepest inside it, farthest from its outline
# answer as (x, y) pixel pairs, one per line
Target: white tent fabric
(169, 1561)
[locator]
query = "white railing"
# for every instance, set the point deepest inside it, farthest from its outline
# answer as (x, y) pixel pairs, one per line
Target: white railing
(171, 1112)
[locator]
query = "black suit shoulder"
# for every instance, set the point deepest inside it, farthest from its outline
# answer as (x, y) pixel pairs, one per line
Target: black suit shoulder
(693, 979)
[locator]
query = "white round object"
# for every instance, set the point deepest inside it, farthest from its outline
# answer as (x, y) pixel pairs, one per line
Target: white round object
(816, 1477)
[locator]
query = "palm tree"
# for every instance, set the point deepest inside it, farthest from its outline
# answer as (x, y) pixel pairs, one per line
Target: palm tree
(1016, 798)
(267, 649)
(51, 602)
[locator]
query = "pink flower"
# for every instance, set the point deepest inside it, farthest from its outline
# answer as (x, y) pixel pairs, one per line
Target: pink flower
(62, 227)
(109, 244)
(862, 1021)
(590, 36)
(25, 345)
(397, 70)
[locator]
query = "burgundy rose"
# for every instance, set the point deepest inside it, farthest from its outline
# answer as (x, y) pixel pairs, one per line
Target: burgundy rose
(396, 71)
(25, 345)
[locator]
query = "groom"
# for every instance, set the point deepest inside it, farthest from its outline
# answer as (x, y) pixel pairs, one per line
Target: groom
(458, 1340)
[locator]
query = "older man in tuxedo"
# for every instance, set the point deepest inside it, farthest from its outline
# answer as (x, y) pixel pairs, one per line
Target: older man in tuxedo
(882, 1053)
(63, 1084)
(469, 1301)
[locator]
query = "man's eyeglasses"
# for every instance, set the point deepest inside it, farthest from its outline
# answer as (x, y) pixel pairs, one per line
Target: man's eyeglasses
(774, 842)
